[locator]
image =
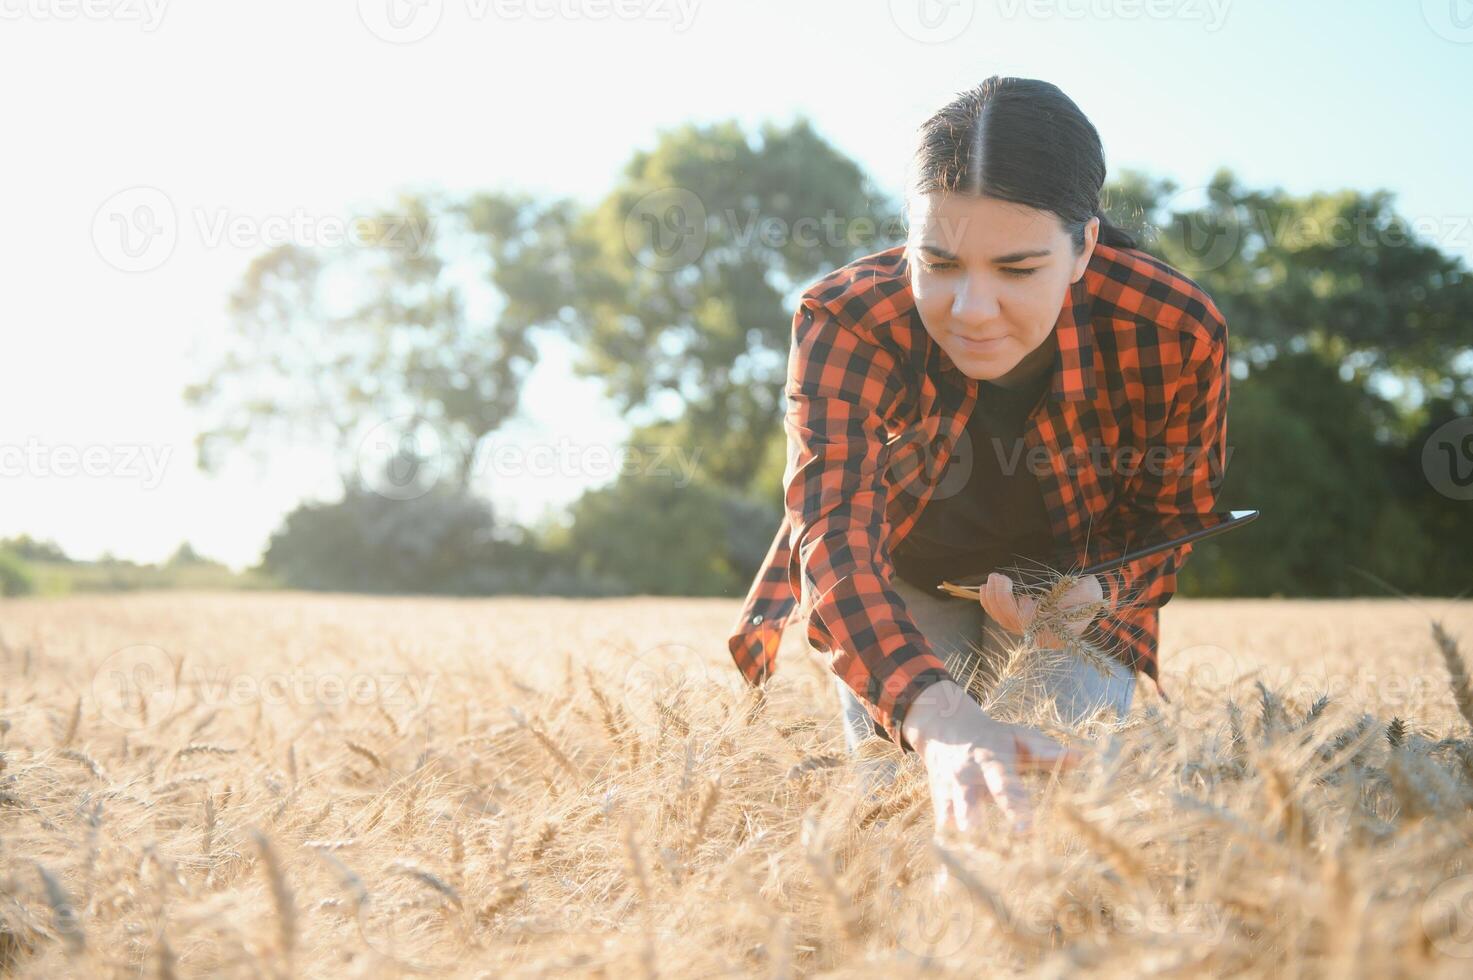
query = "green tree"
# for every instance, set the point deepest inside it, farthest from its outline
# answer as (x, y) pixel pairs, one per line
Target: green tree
(688, 270)
(655, 536)
(404, 334)
(1338, 272)
(30, 549)
(1305, 452)
(15, 577)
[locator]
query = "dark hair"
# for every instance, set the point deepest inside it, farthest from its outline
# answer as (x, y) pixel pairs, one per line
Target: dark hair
(1020, 140)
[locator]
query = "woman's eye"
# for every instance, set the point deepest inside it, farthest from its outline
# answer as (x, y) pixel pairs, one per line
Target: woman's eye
(935, 266)
(1019, 273)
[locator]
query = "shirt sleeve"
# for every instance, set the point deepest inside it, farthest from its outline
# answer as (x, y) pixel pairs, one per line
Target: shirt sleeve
(839, 388)
(1180, 472)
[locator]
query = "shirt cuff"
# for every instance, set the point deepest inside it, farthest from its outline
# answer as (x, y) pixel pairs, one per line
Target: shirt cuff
(913, 692)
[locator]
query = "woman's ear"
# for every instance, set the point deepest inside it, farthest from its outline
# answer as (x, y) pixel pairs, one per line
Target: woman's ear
(1091, 235)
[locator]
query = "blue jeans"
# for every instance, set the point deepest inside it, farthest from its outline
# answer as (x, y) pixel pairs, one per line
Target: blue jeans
(971, 644)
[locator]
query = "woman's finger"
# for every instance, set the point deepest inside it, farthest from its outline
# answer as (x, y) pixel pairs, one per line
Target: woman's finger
(942, 808)
(988, 595)
(970, 797)
(1037, 751)
(1009, 793)
(1002, 607)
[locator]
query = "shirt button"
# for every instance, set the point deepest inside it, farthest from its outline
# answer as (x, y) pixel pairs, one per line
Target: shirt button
(757, 620)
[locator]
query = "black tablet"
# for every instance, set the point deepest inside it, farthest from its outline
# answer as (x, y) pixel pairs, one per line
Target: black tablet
(1171, 531)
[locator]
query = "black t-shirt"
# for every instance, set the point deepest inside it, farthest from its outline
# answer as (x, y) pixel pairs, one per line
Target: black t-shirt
(997, 518)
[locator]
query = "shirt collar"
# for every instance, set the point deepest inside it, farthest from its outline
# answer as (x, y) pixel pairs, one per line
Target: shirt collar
(1074, 368)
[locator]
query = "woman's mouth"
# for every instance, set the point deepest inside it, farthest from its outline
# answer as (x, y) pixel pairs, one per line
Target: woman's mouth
(980, 346)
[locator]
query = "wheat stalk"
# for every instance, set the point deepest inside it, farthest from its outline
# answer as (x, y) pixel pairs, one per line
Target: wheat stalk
(63, 911)
(364, 752)
(1457, 671)
(281, 897)
(1121, 857)
(93, 766)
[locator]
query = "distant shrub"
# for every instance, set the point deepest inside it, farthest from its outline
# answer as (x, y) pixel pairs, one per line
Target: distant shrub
(15, 577)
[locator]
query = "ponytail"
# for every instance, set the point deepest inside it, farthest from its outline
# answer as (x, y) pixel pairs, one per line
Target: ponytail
(1112, 234)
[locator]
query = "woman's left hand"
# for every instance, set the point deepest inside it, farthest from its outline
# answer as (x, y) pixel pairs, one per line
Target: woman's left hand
(1015, 613)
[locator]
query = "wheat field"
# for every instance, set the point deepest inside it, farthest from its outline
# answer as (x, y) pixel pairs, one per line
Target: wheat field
(226, 784)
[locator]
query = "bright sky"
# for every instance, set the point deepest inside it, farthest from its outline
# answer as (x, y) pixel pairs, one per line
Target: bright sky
(278, 110)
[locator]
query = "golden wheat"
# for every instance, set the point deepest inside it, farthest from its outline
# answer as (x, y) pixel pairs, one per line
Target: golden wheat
(699, 827)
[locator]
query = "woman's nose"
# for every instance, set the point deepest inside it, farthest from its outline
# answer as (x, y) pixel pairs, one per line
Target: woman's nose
(974, 302)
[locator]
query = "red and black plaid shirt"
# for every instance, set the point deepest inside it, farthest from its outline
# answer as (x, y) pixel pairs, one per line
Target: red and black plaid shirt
(1134, 428)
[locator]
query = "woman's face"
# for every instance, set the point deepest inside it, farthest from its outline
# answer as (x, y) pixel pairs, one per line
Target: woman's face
(990, 278)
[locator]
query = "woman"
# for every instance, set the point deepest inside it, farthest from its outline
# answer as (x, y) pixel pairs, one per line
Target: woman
(1095, 377)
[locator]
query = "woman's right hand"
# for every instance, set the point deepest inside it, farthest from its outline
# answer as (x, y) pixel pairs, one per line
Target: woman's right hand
(972, 758)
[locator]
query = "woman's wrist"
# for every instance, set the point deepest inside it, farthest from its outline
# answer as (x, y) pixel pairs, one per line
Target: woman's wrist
(934, 712)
